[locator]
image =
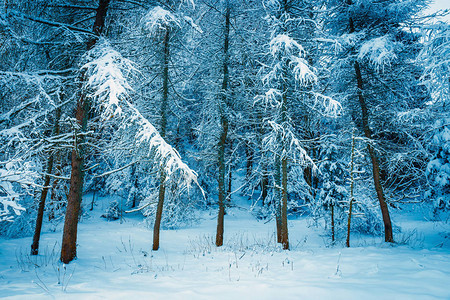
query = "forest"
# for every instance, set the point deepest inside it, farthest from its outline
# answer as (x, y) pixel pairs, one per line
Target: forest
(226, 140)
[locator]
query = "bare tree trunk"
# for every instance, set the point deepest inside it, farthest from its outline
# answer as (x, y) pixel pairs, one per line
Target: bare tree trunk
(284, 226)
(135, 185)
(230, 181)
(223, 135)
(164, 106)
(40, 214)
(249, 155)
(332, 223)
(277, 197)
(159, 209)
(221, 181)
(69, 242)
(230, 178)
(53, 195)
(69, 248)
(220, 217)
(349, 221)
(264, 176)
(352, 185)
(388, 236)
(264, 184)
(284, 239)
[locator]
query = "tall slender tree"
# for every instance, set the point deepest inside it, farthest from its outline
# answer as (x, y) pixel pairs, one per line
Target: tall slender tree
(69, 241)
(288, 79)
(376, 44)
(224, 124)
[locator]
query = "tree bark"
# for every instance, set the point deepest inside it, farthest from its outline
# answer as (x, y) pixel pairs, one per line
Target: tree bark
(284, 238)
(332, 222)
(223, 135)
(284, 226)
(349, 220)
(135, 185)
(388, 236)
(69, 248)
(277, 197)
(264, 184)
(264, 176)
(40, 214)
(249, 155)
(69, 242)
(159, 209)
(352, 185)
(164, 106)
(230, 181)
(55, 200)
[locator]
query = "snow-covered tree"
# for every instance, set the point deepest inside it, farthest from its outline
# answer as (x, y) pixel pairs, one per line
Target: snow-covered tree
(435, 59)
(289, 79)
(374, 41)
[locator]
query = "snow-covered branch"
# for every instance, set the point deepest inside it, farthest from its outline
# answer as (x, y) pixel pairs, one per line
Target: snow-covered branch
(106, 71)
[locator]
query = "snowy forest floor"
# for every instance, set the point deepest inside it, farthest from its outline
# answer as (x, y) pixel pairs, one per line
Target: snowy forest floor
(115, 261)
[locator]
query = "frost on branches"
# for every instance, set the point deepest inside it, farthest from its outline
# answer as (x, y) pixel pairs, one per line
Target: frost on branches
(106, 71)
(15, 179)
(159, 18)
(435, 59)
(27, 104)
(379, 52)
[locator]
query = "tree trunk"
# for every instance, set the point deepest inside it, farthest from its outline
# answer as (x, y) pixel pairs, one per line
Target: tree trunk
(159, 209)
(332, 222)
(135, 185)
(54, 201)
(264, 184)
(284, 228)
(277, 198)
(249, 155)
(223, 135)
(230, 178)
(284, 239)
(388, 236)
(164, 106)
(352, 185)
(221, 181)
(264, 176)
(349, 220)
(69, 248)
(230, 181)
(69, 242)
(40, 214)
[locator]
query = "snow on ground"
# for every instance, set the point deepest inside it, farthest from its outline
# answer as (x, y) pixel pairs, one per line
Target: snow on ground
(115, 261)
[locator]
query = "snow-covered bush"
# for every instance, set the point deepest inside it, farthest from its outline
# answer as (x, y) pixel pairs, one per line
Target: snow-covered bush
(113, 212)
(435, 59)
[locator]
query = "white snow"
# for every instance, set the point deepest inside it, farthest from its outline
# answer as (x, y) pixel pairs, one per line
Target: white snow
(379, 51)
(115, 262)
(159, 18)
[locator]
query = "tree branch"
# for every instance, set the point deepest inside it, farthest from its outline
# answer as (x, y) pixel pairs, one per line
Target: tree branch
(50, 23)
